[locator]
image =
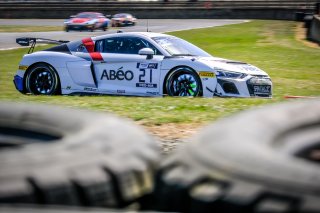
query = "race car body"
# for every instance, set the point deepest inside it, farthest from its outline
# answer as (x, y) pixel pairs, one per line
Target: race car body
(139, 64)
(123, 19)
(87, 21)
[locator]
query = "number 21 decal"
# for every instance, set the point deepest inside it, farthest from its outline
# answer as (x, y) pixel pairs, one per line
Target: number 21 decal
(145, 69)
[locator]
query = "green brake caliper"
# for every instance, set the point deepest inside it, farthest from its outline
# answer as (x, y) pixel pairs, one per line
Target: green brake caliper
(193, 85)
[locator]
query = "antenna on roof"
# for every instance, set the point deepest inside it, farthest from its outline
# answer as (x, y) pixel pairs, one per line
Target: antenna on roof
(147, 25)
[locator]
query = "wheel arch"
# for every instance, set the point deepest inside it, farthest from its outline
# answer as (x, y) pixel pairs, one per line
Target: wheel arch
(33, 65)
(164, 88)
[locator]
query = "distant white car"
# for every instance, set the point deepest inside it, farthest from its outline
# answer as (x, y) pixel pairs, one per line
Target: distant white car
(138, 64)
(123, 19)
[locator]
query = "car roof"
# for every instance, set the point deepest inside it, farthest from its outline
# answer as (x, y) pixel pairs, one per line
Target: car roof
(123, 14)
(143, 34)
(90, 13)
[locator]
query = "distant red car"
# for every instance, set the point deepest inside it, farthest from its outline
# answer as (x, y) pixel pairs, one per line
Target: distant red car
(87, 21)
(123, 19)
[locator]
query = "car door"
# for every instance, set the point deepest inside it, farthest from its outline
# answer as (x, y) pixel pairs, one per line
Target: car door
(123, 70)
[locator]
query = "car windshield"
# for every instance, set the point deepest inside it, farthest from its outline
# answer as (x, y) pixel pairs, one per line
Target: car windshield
(179, 47)
(121, 16)
(86, 15)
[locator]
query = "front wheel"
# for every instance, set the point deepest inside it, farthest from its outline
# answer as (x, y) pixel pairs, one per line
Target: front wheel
(183, 82)
(42, 80)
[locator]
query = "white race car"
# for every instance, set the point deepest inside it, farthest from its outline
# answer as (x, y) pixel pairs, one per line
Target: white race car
(139, 64)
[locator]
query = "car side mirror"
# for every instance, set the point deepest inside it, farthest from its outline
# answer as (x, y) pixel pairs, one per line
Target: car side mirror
(147, 51)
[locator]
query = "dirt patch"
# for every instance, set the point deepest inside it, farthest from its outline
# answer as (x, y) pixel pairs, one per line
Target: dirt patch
(172, 135)
(300, 35)
(174, 131)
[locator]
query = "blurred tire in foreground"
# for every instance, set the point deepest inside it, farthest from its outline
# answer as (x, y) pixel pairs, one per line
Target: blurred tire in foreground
(55, 156)
(262, 160)
(58, 209)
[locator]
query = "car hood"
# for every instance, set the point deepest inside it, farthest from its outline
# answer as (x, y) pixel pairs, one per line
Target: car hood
(80, 20)
(229, 65)
(118, 19)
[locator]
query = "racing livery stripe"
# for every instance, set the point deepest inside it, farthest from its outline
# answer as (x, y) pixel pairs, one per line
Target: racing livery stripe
(96, 56)
(89, 44)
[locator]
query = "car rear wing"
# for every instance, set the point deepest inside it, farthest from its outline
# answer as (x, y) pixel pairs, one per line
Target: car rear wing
(28, 41)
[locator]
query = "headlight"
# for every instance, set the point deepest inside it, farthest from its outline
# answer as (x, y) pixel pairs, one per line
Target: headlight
(229, 74)
(260, 81)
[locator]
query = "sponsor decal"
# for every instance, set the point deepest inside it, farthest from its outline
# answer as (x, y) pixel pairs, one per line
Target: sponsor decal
(207, 74)
(152, 93)
(146, 85)
(264, 89)
(117, 75)
(90, 89)
(249, 68)
(147, 65)
(121, 91)
(23, 67)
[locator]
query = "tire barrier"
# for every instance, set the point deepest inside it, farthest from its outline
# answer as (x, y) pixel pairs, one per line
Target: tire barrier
(261, 160)
(55, 156)
(313, 32)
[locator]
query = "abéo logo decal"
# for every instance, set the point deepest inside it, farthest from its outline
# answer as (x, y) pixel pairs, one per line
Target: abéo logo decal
(117, 75)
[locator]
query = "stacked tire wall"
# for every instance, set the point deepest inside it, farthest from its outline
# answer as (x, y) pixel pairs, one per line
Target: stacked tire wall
(314, 30)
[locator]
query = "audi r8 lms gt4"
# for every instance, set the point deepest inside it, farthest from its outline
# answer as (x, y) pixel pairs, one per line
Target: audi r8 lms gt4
(87, 21)
(139, 64)
(123, 19)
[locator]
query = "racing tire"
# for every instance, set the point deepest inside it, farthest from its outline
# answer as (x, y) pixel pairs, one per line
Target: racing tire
(263, 160)
(58, 209)
(55, 156)
(42, 79)
(183, 81)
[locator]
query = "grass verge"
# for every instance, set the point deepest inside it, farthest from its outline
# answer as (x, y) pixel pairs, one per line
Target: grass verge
(270, 45)
(23, 28)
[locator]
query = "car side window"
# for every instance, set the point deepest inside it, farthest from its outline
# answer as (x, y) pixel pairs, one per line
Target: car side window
(98, 46)
(124, 45)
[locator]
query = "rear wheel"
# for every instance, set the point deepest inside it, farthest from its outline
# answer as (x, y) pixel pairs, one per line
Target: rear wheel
(183, 82)
(42, 79)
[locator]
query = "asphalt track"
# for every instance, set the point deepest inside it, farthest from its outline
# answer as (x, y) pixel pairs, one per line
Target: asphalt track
(8, 40)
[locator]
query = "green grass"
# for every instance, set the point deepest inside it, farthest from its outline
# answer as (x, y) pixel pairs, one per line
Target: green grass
(270, 45)
(23, 28)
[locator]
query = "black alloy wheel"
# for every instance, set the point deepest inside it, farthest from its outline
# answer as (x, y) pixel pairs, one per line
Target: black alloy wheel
(42, 80)
(183, 82)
